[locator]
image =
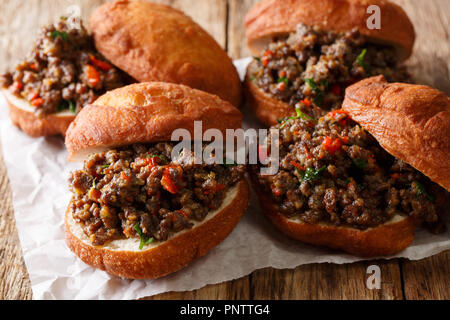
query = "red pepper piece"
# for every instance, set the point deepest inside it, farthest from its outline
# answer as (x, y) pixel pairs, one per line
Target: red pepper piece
(93, 76)
(37, 102)
(104, 66)
(332, 145)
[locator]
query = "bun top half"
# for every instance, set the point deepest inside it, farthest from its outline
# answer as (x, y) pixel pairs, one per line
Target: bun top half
(271, 18)
(145, 113)
(411, 122)
(154, 42)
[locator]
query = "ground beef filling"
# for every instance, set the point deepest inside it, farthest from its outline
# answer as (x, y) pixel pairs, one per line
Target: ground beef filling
(62, 72)
(333, 171)
(315, 66)
(137, 191)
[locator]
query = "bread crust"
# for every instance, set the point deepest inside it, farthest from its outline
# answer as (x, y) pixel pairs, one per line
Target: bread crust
(269, 18)
(154, 42)
(387, 239)
(266, 108)
(171, 255)
(28, 122)
(147, 112)
(411, 122)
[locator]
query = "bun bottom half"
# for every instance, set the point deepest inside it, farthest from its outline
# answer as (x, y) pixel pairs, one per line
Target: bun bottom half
(267, 109)
(22, 116)
(124, 258)
(386, 239)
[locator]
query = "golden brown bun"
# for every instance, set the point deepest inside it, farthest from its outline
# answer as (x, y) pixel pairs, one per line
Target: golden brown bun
(22, 115)
(269, 18)
(124, 258)
(387, 239)
(412, 122)
(146, 112)
(154, 42)
(266, 108)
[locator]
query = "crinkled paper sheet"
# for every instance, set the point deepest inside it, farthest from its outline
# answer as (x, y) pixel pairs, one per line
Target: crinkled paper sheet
(38, 173)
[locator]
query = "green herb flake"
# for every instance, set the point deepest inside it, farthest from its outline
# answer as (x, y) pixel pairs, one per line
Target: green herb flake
(67, 104)
(161, 157)
(318, 98)
(257, 59)
(311, 83)
(283, 79)
(421, 190)
(72, 106)
(360, 163)
(144, 240)
(56, 33)
(311, 174)
(300, 115)
(360, 59)
(94, 184)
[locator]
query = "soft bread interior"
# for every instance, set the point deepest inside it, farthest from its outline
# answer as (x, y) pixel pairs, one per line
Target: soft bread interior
(132, 244)
(394, 219)
(26, 106)
(83, 154)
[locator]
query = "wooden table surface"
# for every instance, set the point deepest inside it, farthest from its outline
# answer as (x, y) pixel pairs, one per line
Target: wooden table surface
(401, 279)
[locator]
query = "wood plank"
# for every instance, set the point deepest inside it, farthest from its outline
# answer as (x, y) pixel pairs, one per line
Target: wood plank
(430, 62)
(25, 18)
(238, 289)
(14, 282)
(327, 281)
(428, 278)
(237, 44)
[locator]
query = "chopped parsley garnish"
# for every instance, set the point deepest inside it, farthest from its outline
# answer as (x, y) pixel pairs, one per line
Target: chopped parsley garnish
(299, 115)
(67, 104)
(72, 107)
(161, 157)
(283, 79)
(360, 60)
(311, 174)
(144, 239)
(422, 191)
(94, 184)
(56, 33)
(360, 163)
(257, 59)
(318, 98)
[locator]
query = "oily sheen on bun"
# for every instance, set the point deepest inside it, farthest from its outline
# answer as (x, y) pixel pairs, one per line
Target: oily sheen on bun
(411, 122)
(141, 116)
(154, 42)
(273, 18)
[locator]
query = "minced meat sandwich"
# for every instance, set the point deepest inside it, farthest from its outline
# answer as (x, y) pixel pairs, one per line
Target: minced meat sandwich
(314, 66)
(63, 71)
(138, 191)
(333, 171)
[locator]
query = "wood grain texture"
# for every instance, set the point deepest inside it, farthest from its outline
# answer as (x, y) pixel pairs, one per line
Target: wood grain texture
(327, 281)
(430, 63)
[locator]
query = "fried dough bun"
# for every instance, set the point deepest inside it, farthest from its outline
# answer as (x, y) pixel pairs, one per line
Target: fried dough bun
(154, 42)
(146, 113)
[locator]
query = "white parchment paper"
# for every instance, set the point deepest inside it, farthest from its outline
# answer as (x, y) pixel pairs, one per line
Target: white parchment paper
(38, 173)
